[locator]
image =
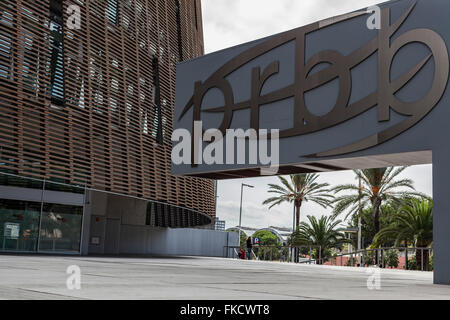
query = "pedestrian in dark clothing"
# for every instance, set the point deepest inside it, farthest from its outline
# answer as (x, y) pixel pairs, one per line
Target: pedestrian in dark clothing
(249, 248)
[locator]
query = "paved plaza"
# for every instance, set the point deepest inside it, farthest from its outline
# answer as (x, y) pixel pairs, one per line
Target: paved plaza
(44, 277)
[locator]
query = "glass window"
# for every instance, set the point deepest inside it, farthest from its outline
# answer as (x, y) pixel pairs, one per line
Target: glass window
(54, 186)
(16, 181)
(61, 228)
(56, 63)
(6, 57)
(178, 16)
(111, 11)
(19, 225)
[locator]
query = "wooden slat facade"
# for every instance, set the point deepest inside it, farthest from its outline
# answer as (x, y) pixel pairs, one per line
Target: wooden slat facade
(107, 133)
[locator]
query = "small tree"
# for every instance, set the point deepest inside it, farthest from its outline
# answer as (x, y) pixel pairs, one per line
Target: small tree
(369, 258)
(378, 186)
(412, 263)
(413, 222)
(320, 232)
(269, 245)
(391, 258)
(299, 188)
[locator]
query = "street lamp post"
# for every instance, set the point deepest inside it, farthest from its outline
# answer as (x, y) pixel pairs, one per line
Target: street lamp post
(359, 224)
(293, 230)
(240, 210)
(215, 201)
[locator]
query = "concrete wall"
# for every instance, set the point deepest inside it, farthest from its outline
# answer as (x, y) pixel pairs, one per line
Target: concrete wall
(133, 239)
(114, 224)
(192, 242)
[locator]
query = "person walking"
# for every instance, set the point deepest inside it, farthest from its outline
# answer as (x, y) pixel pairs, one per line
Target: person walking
(249, 248)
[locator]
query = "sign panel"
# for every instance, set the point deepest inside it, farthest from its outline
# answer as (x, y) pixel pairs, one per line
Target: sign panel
(364, 84)
(11, 230)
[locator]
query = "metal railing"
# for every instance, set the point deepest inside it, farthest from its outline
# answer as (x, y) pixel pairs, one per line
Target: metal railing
(412, 258)
(271, 253)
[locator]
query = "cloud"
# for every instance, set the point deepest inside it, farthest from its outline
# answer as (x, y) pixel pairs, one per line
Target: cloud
(232, 22)
(254, 214)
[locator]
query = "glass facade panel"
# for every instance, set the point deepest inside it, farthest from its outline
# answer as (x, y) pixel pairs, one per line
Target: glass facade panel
(19, 225)
(111, 11)
(16, 181)
(24, 229)
(61, 228)
(56, 49)
(55, 186)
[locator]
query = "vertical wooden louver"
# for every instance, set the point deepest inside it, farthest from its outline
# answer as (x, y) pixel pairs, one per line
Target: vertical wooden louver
(94, 106)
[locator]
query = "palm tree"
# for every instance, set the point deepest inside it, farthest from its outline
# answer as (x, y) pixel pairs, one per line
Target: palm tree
(377, 187)
(367, 227)
(412, 223)
(301, 188)
(320, 232)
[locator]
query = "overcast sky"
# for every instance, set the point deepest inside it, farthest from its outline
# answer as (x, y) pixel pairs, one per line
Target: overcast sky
(232, 22)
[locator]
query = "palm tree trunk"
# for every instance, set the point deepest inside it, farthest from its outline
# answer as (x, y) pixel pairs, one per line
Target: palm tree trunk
(376, 215)
(426, 259)
(376, 221)
(298, 204)
(319, 256)
(406, 254)
(418, 259)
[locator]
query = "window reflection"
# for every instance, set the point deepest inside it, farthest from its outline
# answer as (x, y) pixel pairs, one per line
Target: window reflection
(19, 225)
(60, 228)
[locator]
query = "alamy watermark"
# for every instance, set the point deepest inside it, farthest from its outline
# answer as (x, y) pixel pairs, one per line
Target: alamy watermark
(374, 21)
(189, 149)
(374, 279)
(73, 281)
(74, 20)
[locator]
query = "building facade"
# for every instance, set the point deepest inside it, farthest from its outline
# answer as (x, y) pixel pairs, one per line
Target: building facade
(220, 224)
(86, 112)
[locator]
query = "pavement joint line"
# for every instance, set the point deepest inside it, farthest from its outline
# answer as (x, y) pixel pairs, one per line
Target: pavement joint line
(262, 292)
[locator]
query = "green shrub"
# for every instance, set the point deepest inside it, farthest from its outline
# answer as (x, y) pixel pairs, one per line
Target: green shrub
(264, 253)
(350, 260)
(412, 263)
(391, 258)
(369, 258)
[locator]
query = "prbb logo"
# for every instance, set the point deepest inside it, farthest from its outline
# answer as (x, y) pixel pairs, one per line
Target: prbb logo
(386, 45)
(189, 149)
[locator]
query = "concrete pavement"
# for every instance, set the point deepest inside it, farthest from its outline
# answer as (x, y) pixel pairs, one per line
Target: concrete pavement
(44, 277)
